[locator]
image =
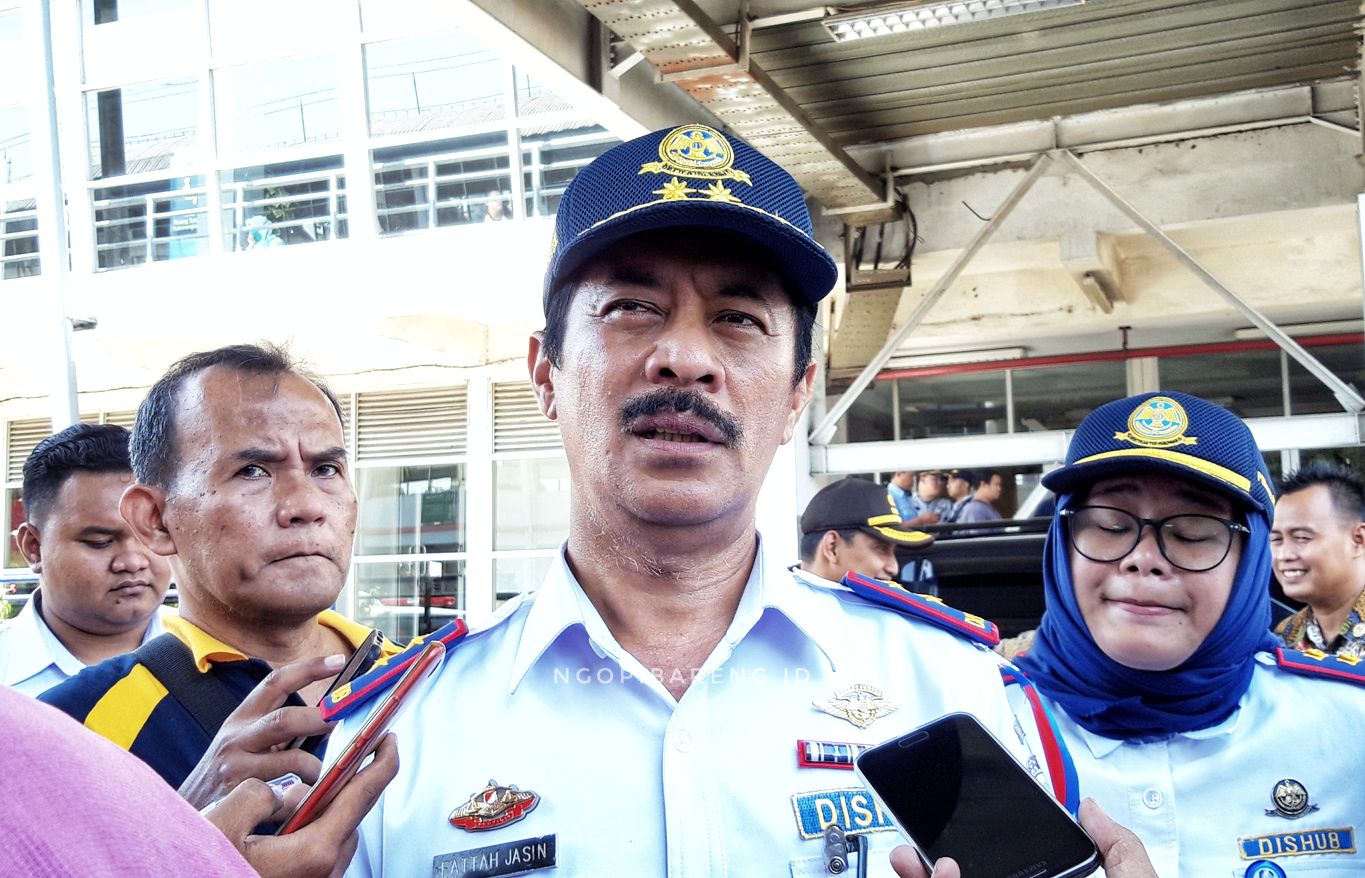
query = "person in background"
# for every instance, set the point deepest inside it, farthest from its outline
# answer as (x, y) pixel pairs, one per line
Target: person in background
(100, 588)
(851, 525)
(243, 480)
(1318, 542)
(980, 506)
(959, 490)
(1156, 657)
(926, 504)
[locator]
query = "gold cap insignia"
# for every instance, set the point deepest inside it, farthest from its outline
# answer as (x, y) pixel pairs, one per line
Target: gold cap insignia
(860, 704)
(699, 153)
(1159, 422)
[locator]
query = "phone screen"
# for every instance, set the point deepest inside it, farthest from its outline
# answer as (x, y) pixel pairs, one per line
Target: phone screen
(354, 754)
(956, 792)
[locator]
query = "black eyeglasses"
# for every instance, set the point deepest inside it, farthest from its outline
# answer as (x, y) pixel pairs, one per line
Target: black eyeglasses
(1193, 543)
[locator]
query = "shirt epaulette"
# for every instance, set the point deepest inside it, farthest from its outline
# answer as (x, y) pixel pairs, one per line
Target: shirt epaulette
(348, 697)
(1316, 663)
(925, 607)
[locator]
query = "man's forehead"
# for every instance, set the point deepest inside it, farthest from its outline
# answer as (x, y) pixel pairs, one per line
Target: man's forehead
(253, 404)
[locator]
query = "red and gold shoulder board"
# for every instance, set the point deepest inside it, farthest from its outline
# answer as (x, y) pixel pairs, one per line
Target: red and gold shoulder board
(1316, 663)
(924, 607)
(344, 700)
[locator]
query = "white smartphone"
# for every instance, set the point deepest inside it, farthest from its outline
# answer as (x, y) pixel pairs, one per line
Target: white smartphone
(955, 791)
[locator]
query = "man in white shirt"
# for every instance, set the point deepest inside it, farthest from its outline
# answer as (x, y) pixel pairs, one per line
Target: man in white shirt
(100, 588)
(672, 700)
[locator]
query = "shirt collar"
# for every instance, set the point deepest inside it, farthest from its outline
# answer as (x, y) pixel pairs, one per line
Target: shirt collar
(1101, 746)
(208, 649)
(33, 648)
(560, 604)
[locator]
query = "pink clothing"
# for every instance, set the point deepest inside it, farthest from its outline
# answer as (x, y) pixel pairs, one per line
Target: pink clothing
(76, 805)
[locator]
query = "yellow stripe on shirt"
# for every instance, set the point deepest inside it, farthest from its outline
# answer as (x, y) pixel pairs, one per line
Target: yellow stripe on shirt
(121, 712)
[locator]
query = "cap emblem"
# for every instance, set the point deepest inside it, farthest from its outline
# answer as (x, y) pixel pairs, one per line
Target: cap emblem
(1159, 422)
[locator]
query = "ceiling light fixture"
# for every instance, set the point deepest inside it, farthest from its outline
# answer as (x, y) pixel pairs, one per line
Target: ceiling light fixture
(899, 18)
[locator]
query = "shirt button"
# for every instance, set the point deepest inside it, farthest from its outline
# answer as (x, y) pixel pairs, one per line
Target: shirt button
(682, 740)
(1153, 798)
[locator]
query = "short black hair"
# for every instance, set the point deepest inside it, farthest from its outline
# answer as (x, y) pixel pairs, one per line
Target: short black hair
(985, 478)
(93, 448)
(155, 455)
(1343, 483)
(811, 541)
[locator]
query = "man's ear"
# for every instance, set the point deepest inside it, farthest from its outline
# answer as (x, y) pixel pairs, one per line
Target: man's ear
(801, 395)
(30, 545)
(144, 508)
(542, 377)
(1358, 538)
(829, 546)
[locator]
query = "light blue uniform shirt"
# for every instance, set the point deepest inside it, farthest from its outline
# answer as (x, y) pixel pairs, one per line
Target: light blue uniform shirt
(1199, 800)
(633, 782)
(33, 660)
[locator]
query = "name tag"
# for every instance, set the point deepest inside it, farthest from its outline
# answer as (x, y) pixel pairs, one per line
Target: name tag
(1337, 840)
(512, 858)
(855, 810)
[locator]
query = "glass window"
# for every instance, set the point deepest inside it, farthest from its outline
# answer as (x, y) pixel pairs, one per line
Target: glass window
(1308, 395)
(1245, 382)
(277, 105)
(19, 239)
(15, 507)
(14, 70)
(411, 598)
(155, 221)
(285, 203)
(531, 506)
(235, 26)
(1058, 397)
(448, 80)
(442, 183)
(512, 576)
(534, 97)
(871, 418)
(16, 146)
(109, 11)
(549, 160)
(965, 404)
(411, 510)
(144, 128)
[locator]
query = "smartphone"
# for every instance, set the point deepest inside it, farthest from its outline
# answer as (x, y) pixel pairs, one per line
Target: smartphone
(354, 665)
(343, 768)
(955, 791)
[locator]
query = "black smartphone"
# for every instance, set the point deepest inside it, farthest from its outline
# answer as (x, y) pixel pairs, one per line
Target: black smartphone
(358, 662)
(955, 791)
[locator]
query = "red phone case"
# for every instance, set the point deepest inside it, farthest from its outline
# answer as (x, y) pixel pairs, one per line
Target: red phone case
(367, 739)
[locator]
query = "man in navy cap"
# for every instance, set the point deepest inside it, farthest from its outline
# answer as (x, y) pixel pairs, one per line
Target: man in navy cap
(1225, 755)
(671, 700)
(852, 525)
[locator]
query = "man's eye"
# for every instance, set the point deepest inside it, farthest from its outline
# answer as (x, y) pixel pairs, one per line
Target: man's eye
(626, 306)
(98, 544)
(328, 470)
(253, 471)
(734, 318)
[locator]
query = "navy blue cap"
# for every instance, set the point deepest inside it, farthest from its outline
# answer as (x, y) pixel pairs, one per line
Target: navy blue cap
(689, 177)
(1167, 432)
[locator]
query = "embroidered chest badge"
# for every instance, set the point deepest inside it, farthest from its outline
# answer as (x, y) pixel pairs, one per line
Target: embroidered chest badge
(1159, 422)
(494, 806)
(699, 153)
(1290, 799)
(860, 704)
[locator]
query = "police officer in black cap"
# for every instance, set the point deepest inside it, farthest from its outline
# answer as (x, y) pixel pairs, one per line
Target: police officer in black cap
(852, 525)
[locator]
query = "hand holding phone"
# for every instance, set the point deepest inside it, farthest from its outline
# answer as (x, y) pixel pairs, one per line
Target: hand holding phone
(358, 662)
(349, 761)
(957, 792)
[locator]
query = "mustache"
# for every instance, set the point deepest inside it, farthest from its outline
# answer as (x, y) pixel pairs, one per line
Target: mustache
(673, 399)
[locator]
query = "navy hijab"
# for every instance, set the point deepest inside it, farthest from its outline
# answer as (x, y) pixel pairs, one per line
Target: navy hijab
(1100, 694)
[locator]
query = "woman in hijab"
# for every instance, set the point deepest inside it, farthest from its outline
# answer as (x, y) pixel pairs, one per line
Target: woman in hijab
(1226, 756)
